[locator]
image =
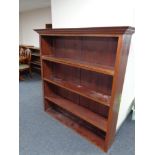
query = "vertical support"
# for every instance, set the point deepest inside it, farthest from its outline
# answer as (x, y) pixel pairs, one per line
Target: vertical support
(46, 47)
(118, 80)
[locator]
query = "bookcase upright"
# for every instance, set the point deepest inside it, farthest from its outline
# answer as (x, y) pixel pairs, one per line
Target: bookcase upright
(83, 72)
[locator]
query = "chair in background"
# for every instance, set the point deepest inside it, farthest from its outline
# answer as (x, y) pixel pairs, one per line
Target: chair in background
(24, 61)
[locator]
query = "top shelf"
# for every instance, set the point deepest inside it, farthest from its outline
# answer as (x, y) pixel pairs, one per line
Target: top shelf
(80, 64)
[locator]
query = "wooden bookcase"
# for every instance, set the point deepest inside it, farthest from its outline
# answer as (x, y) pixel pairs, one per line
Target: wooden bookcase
(83, 72)
(35, 59)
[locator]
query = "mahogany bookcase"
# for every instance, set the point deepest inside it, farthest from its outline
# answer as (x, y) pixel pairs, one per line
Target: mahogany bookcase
(83, 72)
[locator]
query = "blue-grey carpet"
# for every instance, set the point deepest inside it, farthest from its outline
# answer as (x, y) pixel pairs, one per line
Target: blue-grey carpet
(40, 134)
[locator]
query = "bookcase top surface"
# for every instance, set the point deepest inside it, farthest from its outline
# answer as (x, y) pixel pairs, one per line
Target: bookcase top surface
(88, 31)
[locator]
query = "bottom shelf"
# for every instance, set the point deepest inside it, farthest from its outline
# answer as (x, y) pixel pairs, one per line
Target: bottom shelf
(87, 115)
(71, 122)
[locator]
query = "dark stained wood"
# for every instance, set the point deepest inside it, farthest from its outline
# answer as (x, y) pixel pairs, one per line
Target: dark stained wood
(81, 64)
(48, 26)
(94, 31)
(120, 68)
(87, 115)
(67, 47)
(92, 80)
(83, 50)
(81, 90)
(99, 51)
(35, 61)
(99, 82)
(92, 137)
(93, 106)
(84, 68)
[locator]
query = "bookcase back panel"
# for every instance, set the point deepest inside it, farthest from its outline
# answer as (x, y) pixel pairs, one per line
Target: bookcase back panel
(77, 99)
(66, 73)
(99, 50)
(67, 47)
(94, 106)
(95, 50)
(76, 119)
(95, 81)
(65, 94)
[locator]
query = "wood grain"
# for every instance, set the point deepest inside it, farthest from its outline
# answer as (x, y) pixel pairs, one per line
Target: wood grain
(85, 114)
(83, 72)
(80, 64)
(83, 91)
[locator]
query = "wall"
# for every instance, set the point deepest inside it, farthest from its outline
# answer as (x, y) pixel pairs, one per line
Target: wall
(20, 29)
(98, 13)
(30, 20)
(91, 13)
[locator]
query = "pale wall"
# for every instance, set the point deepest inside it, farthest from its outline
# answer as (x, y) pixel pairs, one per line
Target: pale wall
(98, 13)
(30, 20)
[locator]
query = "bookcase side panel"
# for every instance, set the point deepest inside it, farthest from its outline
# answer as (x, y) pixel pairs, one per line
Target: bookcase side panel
(120, 68)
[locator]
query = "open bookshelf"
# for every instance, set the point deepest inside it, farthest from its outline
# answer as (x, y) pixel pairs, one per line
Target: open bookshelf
(35, 59)
(83, 72)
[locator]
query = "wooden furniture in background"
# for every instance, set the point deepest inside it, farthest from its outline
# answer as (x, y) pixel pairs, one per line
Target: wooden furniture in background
(35, 61)
(83, 72)
(35, 57)
(24, 61)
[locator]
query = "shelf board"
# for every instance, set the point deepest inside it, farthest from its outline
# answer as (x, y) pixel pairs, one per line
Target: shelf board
(83, 113)
(38, 68)
(80, 64)
(35, 54)
(81, 90)
(36, 63)
(90, 136)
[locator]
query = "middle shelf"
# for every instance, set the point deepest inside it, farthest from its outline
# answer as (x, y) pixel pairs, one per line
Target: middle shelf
(81, 90)
(81, 64)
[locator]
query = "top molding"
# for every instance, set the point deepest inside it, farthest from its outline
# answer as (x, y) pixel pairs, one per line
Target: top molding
(87, 31)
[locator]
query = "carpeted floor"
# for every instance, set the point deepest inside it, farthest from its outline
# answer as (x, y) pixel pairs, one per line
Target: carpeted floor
(40, 134)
